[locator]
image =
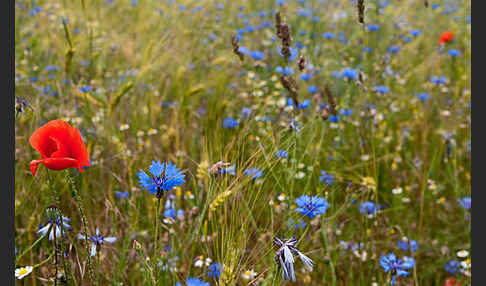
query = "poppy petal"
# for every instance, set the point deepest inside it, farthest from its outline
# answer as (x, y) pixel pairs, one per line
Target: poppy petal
(58, 140)
(46, 138)
(54, 164)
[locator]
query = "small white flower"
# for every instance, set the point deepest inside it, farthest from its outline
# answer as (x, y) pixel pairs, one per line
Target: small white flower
(462, 253)
(397, 191)
(23, 271)
(208, 261)
(152, 131)
(249, 274)
(199, 262)
(365, 157)
(124, 127)
(300, 175)
(445, 113)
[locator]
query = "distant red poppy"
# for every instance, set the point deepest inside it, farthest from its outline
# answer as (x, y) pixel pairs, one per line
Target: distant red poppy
(60, 147)
(452, 282)
(446, 37)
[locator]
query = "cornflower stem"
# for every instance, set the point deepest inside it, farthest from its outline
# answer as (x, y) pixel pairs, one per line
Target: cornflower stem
(55, 256)
(156, 235)
(67, 268)
(79, 201)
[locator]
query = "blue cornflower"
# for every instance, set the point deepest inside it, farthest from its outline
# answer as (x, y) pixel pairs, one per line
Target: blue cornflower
(382, 89)
(465, 202)
(454, 53)
(311, 206)
(452, 266)
(34, 11)
(281, 154)
(346, 112)
(243, 50)
(121, 195)
(280, 2)
(85, 89)
(97, 240)
(43, 230)
(257, 55)
(254, 173)
(395, 266)
(372, 27)
(305, 76)
(245, 112)
(415, 33)
(229, 122)
(305, 13)
(438, 80)
(191, 281)
(170, 212)
(367, 49)
(285, 71)
(328, 35)
(229, 170)
(423, 96)
(312, 89)
(405, 243)
(394, 49)
(285, 257)
(295, 125)
(164, 177)
(334, 118)
(413, 245)
(368, 208)
(50, 68)
(293, 53)
(327, 178)
(305, 104)
(214, 270)
(349, 74)
(299, 45)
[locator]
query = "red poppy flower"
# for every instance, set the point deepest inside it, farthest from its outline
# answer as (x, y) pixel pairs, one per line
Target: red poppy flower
(452, 282)
(446, 37)
(60, 147)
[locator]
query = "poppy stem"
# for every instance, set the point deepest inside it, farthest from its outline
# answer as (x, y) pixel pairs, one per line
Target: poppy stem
(79, 201)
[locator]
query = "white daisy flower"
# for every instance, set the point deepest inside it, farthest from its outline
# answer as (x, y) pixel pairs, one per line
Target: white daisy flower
(23, 271)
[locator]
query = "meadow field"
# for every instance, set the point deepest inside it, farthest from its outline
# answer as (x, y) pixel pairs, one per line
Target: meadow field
(243, 142)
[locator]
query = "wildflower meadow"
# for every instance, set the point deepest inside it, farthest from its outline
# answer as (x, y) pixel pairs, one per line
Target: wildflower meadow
(243, 142)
